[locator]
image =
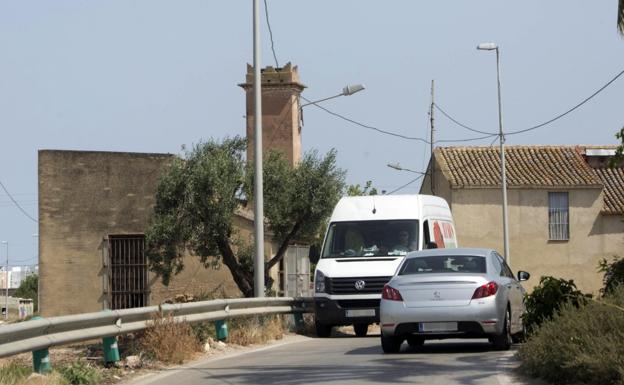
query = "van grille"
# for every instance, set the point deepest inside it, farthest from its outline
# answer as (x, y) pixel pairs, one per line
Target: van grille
(372, 285)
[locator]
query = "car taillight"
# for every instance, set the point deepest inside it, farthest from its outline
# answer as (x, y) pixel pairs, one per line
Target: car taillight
(391, 293)
(486, 290)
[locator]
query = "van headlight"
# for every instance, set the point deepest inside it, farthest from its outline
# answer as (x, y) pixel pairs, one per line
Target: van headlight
(319, 282)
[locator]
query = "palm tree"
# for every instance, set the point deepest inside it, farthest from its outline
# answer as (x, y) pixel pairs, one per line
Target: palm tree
(620, 18)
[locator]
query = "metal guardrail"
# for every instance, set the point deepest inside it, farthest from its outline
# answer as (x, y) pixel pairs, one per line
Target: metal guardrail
(43, 333)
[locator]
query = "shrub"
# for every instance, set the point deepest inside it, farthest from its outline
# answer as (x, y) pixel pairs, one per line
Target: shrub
(255, 329)
(203, 330)
(13, 373)
(80, 373)
(548, 297)
(168, 340)
(582, 344)
(613, 274)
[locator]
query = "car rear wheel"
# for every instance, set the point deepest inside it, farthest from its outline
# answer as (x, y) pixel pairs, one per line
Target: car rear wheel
(322, 330)
(503, 341)
(520, 337)
(391, 344)
(360, 329)
(415, 341)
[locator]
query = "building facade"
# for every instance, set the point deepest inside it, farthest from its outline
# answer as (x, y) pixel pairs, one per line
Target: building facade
(95, 206)
(565, 206)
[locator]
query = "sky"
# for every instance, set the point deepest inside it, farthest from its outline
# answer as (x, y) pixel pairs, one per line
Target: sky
(152, 76)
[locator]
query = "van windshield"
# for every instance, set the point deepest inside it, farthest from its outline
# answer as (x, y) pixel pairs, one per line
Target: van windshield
(370, 238)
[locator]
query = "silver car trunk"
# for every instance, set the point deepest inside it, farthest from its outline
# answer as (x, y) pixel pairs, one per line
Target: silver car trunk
(435, 290)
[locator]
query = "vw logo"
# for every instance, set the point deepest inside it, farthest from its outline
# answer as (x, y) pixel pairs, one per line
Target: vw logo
(360, 284)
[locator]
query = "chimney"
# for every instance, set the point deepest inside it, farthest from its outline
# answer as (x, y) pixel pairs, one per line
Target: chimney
(281, 129)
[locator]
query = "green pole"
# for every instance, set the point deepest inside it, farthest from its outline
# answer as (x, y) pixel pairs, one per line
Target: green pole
(299, 324)
(111, 350)
(109, 345)
(222, 330)
(41, 358)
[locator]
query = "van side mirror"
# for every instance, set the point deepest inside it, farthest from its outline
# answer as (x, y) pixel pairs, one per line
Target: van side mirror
(523, 275)
(432, 245)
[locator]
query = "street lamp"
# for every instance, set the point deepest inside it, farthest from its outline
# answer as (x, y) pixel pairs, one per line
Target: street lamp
(6, 280)
(397, 166)
(346, 91)
(494, 47)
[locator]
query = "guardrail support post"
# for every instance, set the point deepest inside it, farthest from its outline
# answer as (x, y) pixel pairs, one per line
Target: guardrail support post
(221, 329)
(111, 350)
(41, 358)
(299, 324)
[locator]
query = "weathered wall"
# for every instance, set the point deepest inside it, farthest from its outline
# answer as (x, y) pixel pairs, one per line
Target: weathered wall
(479, 223)
(281, 130)
(86, 196)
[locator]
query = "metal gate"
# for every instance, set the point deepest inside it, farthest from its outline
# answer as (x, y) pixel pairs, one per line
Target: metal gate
(296, 273)
(126, 281)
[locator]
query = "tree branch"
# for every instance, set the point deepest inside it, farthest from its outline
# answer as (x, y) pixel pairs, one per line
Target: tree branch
(243, 281)
(284, 245)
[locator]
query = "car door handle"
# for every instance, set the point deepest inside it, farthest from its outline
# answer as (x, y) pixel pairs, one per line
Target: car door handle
(508, 286)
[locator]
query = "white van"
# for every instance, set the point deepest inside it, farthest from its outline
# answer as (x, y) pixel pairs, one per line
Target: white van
(366, 240)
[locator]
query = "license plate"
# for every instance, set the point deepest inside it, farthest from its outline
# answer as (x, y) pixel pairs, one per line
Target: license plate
(425, 327)
(360, 312)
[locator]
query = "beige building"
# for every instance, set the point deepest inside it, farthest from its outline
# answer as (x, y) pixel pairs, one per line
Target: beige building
(565, 206)
(94, 208)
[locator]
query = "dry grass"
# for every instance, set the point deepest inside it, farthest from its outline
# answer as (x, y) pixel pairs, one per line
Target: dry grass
(169, 341)
(255, 330)
(13, 373)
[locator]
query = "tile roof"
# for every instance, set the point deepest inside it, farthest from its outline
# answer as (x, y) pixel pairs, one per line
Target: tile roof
(532, 167)
(527, 166)
(613, 180)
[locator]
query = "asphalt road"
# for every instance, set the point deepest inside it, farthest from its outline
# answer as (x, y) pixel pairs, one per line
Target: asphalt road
(349, 360)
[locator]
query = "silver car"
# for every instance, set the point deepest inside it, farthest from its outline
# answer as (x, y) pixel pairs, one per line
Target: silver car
(452, 293)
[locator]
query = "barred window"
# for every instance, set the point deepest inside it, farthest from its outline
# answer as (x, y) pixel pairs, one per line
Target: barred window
(558, 216)
(126, 281)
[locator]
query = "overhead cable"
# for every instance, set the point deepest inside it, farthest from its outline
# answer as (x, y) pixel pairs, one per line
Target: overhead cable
(570, 110)
(266, 12)
(393, 133)
(405, 185)
(539, 125)
(17, 204)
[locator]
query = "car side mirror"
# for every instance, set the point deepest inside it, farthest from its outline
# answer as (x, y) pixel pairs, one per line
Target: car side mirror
(432, 245)
(523, 275)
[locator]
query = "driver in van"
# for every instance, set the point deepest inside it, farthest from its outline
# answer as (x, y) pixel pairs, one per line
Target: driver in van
(403, 242)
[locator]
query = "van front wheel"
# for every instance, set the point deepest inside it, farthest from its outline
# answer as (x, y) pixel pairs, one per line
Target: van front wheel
(322, 330)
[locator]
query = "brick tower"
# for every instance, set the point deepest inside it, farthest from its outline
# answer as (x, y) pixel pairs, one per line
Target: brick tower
(281, 129)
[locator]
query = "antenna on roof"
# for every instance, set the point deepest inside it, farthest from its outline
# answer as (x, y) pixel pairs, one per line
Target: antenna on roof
(374, 208)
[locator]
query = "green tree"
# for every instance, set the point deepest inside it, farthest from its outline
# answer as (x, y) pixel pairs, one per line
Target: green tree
(29, 288)
(356, 190)
(620, 17)
(199, 194)
(619, 152)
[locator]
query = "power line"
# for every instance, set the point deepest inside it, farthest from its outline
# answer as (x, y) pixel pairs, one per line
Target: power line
(17, 204)
(393, 133)
(539, 125)
(266, 12)
(570, 110)
(405, 185)
(461, 124)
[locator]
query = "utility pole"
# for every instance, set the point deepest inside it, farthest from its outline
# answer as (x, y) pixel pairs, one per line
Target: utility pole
(432, 169)
(6, 281)
(258, 182)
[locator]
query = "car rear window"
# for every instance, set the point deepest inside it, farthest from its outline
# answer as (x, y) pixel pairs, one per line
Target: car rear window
(444, 264)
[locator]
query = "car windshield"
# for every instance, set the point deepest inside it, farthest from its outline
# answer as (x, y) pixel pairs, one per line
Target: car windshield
(444, 264)
(371, 238)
